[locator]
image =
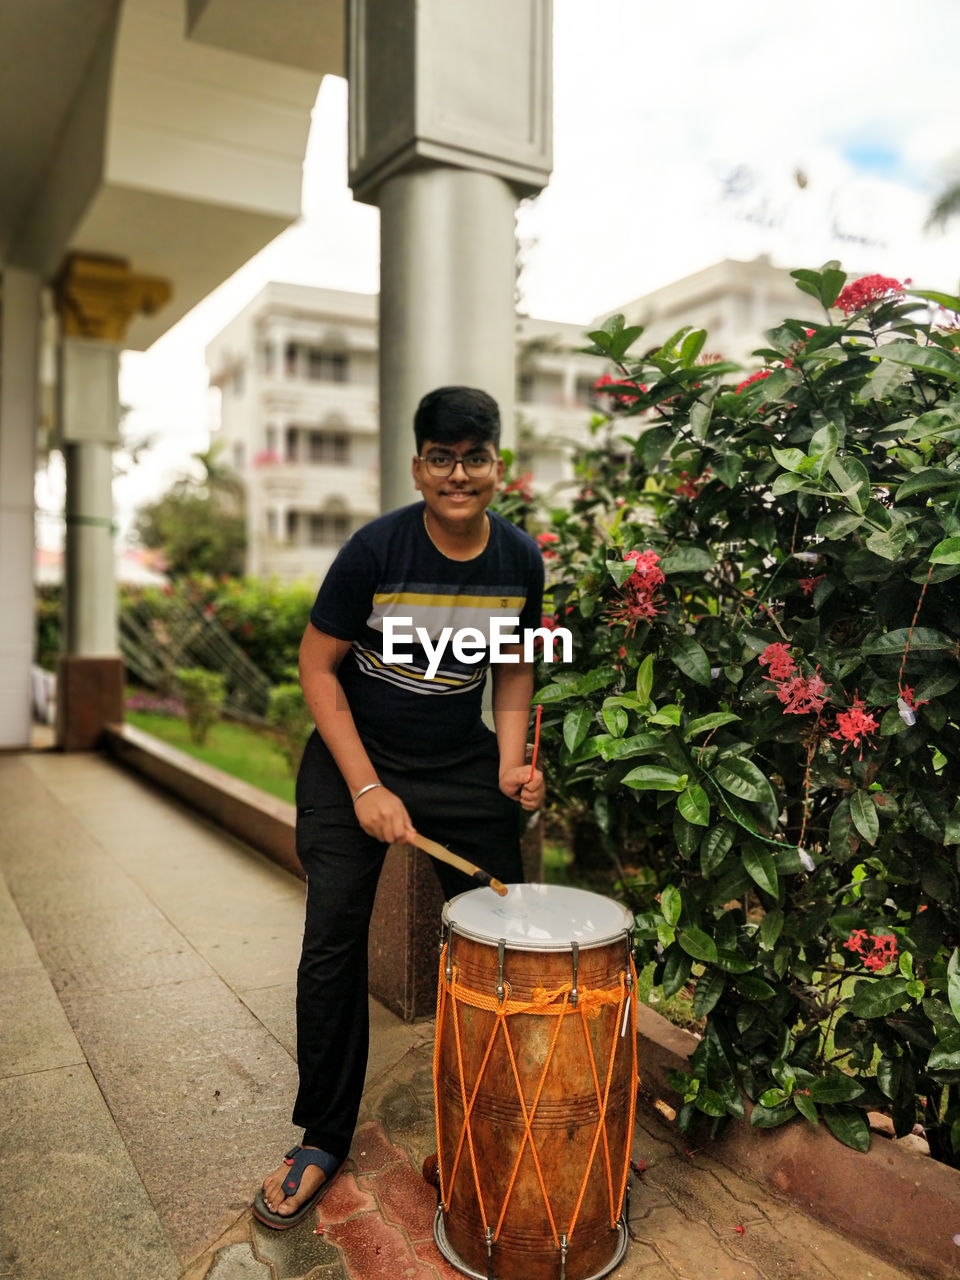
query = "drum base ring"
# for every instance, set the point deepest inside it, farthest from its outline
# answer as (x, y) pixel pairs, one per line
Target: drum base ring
(451, 1255)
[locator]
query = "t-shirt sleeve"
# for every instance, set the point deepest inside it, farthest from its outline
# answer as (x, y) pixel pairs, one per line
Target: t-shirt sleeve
(345, 598)
(532, 613)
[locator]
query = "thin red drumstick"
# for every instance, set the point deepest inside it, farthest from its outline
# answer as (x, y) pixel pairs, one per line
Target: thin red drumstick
(536, 744)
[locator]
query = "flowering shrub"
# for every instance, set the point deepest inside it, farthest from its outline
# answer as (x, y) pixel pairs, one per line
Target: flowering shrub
(762, 719)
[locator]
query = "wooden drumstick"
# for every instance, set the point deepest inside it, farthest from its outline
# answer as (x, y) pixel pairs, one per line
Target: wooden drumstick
(454, 860)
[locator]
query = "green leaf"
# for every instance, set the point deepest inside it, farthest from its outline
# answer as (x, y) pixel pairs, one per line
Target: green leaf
(953, 983)
(770, 929)
(864, 814)
(676, 970)
(668, 714)
(761, 868)
(923, 640)
(836, 526)
(698, 944)
(831, 282)
(946, 1055)
(742, 778)
(671, 904)
(576, 726)
(687, 560)
(889, 1075)
(789, 459)
(836, 1087)
(927, 480)
(708, 991)
(616, 720)
(849, 1126)
(645, 678)
(710, 1102)
(727, 468)
(805, 1106)
(946, 552)
(554, 693)
(878, 998)
(694, 804)
(928, 359)
(599, 678)
(714, 847)
(652, 777)
(754, 988)
(712, 721)
(624, 748)
(770, 1117)
(691, 658)
(853, 481)
(691, 347)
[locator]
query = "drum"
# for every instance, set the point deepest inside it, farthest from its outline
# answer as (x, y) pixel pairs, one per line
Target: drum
(535, 1083)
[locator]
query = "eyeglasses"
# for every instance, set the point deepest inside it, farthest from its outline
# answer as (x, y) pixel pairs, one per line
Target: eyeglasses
(441, 463)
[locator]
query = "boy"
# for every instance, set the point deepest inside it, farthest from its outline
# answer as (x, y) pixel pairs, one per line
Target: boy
(396, 750)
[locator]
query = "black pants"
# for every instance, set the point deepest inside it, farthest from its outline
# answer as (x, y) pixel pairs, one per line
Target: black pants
(461, 806)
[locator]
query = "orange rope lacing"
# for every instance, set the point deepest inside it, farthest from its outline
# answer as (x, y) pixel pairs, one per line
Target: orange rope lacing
(555, 1002)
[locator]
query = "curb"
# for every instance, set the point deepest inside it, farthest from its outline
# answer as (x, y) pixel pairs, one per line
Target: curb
(902, 1206)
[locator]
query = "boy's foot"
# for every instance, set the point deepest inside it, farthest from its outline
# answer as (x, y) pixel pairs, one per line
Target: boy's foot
(291, 1190)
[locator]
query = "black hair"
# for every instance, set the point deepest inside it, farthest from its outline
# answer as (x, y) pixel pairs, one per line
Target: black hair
(450, 414)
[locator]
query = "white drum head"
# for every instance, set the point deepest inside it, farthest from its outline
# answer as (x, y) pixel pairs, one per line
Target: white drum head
(538, 917)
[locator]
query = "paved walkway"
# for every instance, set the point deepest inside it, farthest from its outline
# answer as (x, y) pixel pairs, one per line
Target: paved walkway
(146, 1074)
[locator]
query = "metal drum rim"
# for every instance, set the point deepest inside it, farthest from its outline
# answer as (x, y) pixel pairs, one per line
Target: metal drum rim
(451, 1255)
(534, 944)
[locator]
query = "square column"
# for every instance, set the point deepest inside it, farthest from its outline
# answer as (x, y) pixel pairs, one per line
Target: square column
(450, 125)
(19, 414)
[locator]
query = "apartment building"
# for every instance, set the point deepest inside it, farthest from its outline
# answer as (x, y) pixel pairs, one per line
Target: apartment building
(297, 372)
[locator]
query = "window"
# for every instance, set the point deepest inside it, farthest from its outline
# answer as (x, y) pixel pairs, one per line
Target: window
(332, 447)
(238, 455)
(525, 388)
(290, 359)
(328, 530)
(584, 393)
(326, 366)
(292, 449)
(236, 380)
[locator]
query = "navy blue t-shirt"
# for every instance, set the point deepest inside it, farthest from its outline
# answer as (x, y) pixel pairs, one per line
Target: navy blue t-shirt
(391, 569)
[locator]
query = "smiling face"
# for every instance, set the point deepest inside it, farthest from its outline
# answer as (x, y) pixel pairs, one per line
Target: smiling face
(457, 499)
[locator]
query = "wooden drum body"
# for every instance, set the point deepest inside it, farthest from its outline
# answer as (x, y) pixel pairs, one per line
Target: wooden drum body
(535, 1080)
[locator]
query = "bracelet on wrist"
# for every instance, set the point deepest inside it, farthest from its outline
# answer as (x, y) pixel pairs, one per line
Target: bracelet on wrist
(363, 790)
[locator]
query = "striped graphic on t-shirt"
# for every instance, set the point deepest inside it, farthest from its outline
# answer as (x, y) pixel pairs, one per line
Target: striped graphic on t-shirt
(432, 607)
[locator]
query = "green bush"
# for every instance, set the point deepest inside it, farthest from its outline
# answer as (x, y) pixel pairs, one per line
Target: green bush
(762, 718)
(203, 694)
(289, 716)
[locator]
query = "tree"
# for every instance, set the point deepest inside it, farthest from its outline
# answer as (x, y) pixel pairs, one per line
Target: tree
(199, 524)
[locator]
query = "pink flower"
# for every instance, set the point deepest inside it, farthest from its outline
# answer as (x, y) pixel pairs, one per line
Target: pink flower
(802, 694)
(777, 657)
(866, 290)
(854, 725)
(544, 538)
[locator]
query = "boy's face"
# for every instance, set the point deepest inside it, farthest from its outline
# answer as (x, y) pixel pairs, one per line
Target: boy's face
(457, 496)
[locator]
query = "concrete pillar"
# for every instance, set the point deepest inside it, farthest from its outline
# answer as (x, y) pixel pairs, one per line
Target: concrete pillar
(19, 414)
(96, 299)
(450, 124)
(447, 303)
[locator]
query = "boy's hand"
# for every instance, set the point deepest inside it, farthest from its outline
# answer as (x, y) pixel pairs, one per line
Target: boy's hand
(383, 815)
(518, 785)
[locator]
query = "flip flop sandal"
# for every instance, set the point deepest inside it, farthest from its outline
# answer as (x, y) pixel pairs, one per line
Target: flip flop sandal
(298, 1158)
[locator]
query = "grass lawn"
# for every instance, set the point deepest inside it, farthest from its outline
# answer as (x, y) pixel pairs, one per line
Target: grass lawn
(237, 749)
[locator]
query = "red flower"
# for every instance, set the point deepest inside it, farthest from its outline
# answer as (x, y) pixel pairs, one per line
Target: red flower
(802, 694)
(521, 486)
(754, 377)
(777, 657)
(605, 385)
(854, 725)
(638, 599)
(547, 536)
(881, 951)
(689, 486)
(808, 585)
(866, 290)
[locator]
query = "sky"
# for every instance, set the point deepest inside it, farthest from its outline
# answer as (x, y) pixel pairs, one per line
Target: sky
(683, 134)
